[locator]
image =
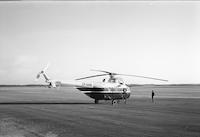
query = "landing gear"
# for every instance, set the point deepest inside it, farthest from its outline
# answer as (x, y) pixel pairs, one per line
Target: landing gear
(96, 101)
(117, 102)
(114, 102)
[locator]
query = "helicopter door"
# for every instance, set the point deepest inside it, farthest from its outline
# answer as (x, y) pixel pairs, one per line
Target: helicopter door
(112, 90)
(124, 93)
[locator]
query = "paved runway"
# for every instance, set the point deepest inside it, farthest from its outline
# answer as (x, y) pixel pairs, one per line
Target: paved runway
(39, 112)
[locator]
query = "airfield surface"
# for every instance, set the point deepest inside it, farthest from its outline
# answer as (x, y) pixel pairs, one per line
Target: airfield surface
(43, 112)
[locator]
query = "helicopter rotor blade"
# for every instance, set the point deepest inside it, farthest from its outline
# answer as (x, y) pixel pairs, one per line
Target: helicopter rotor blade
(101, 71)
(47, 66)
(112, 74)
(38, 75)
(143, 77)
(92, 76)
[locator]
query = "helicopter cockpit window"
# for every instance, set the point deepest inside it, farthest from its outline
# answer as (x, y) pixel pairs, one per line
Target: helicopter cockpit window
(120, 81)
(112, 80)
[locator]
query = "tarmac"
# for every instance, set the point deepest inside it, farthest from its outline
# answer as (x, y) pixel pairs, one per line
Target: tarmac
(42, 112)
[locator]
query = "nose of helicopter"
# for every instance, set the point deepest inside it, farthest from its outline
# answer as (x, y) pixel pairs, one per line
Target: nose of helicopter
(128, 93)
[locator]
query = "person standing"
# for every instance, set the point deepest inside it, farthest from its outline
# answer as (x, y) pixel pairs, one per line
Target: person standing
(152, 96)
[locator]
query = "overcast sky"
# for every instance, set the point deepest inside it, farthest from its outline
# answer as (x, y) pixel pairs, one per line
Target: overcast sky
(155, 39)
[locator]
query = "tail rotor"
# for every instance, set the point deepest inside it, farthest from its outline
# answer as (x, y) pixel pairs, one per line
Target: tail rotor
(47, 66)
(51, 83)
(43, 72)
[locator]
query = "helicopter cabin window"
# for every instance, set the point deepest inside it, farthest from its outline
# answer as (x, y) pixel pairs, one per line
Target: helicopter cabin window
(113, 80)
(120, 81)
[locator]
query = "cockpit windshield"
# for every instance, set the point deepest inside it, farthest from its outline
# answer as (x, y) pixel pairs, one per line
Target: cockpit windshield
(114, 80)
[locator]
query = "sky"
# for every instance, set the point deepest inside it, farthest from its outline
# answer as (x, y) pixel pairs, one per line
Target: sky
(155, 39)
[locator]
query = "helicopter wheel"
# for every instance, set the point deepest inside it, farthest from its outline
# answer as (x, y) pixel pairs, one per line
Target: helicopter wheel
(114, 102)
(96, 101)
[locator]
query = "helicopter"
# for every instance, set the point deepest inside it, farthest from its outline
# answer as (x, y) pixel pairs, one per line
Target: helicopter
(113, 88)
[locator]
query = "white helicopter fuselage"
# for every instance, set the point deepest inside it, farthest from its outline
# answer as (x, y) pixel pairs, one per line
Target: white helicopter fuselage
(105, 90)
